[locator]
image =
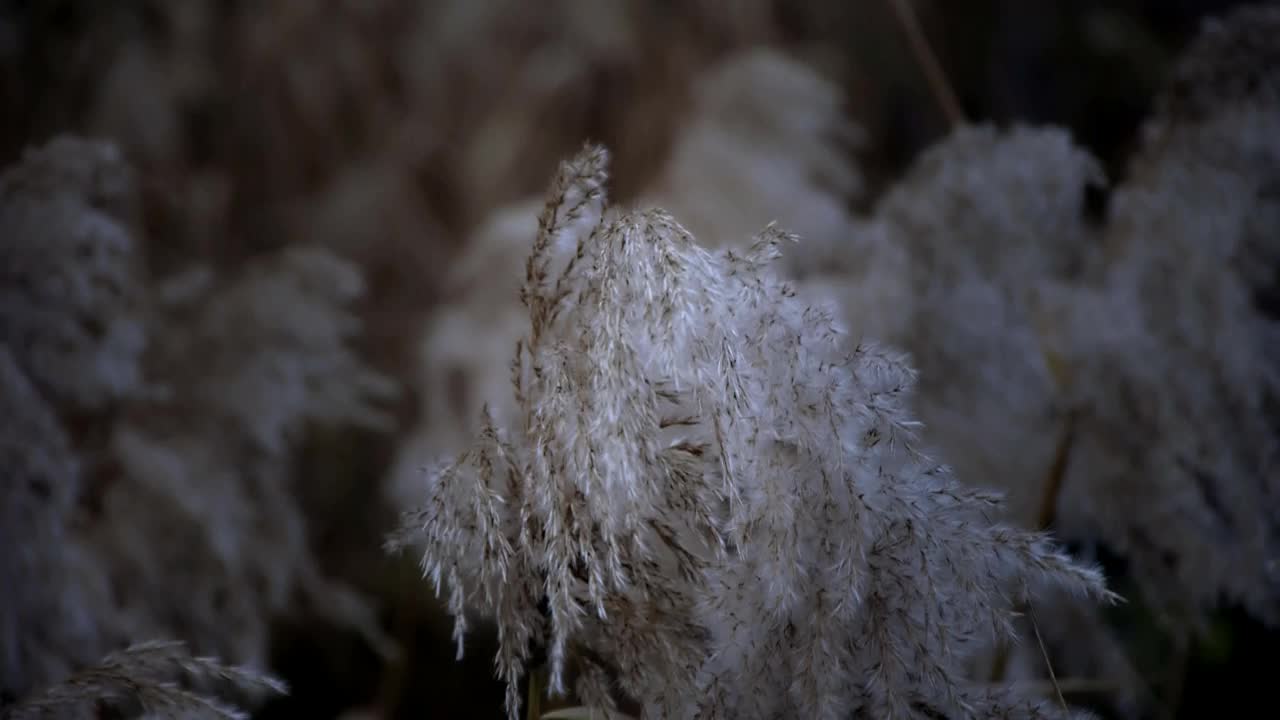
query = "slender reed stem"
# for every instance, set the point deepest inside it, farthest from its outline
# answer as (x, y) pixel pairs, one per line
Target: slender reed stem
(1044, 518)
(937, 79)
(1044, 652)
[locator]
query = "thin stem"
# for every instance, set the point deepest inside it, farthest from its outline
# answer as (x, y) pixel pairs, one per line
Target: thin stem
(1057, 473)
(1044, 518)
(405, 620)
(1000, 665)
(1177, 675)
(1053, 678)
(1069, 686)
(533, 709)
(937, 79)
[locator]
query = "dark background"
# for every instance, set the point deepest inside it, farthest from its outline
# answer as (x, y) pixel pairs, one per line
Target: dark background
(224, 102)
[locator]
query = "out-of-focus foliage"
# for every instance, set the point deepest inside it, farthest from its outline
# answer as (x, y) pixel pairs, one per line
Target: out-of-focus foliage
(148, 482)
(141, 678)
